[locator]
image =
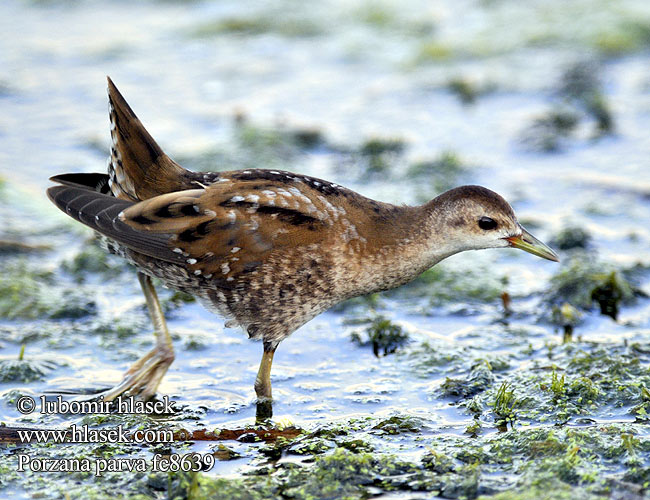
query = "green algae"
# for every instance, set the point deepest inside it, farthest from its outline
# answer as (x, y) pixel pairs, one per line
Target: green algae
(262, 23)
(398, 424)
(623, 38)
(467, 90)
(523, 463)
(578, 99)
(479, 379)
(551, 131)
(378, 157)
(253, 146)
(427, 358)
(93, 260)
(583, 282)
(504, 404)
(581, 87)
(23, 370)
(550, 459)
(385, 17)
(434, 51)
(376, 146)
(443, 284)
(382, 335)
(572, 237)
(28, 293)
(434, 176)
(585, 379)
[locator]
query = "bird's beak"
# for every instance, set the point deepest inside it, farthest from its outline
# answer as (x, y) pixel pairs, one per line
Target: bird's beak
(529, 243)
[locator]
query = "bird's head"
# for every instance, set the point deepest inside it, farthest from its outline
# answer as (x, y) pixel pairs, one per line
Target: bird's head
(475, 217)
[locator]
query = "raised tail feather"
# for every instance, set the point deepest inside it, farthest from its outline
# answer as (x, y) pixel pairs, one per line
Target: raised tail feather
(139, 169)
(96, 182)
(100, 212)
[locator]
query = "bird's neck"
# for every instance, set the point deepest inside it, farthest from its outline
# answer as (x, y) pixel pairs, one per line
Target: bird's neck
(405, 242)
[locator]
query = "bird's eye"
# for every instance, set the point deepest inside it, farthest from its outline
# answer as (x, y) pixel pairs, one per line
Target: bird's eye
(487, 224)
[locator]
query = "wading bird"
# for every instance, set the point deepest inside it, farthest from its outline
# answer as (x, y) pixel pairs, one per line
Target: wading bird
(267, 249)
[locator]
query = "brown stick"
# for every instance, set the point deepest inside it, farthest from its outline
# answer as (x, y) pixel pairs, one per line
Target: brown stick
(10, 434)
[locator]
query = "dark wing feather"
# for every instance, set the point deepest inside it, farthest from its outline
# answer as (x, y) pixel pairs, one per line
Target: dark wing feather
(100, 212)
(94, 181)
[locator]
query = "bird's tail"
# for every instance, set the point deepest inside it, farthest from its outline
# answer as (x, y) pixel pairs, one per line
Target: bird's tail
(138, 168)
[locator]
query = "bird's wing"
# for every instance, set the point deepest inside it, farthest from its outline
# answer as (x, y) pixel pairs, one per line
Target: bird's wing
(230, 227)
(100, 212)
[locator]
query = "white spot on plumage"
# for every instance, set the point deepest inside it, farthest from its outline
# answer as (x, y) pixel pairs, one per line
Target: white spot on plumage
(225, 268)
(253, 198)
(236, 199)
(302, 197)
(178, 250)
(191, 261)
(232, 216)
(119, 175)
(235, 250)
(208, 276)
(269, 193)
(210, 213)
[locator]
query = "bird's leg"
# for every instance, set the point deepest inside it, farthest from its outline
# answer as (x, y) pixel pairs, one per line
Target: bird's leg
(263, 383)
(145, 375)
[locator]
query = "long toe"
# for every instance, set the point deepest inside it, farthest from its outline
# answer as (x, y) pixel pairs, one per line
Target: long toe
(143, 378)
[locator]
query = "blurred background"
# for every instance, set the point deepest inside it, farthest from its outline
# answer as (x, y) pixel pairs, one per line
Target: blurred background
(546, 102)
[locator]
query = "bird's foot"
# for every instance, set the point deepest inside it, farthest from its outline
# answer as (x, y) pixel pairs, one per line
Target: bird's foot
(264, 411)
(143, 378)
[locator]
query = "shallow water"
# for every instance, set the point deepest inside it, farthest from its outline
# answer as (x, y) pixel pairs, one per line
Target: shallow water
(353, 71)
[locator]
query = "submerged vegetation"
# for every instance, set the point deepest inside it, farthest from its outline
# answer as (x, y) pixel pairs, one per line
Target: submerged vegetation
(497, 376)
(578, 98)
(584, 282)
(383, 336)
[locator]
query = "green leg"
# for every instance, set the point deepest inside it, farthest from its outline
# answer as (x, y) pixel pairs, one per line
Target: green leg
(263, 383)
(145, 375)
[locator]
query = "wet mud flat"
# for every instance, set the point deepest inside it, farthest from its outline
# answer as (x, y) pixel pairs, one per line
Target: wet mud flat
(493, 375)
